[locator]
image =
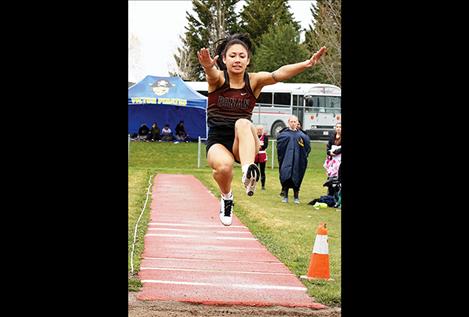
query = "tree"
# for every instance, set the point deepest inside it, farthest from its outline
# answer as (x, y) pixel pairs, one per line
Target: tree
(135, 63)
(213, 20)
(278, 47)
(184, 62)
(257, 15)
(326, 31)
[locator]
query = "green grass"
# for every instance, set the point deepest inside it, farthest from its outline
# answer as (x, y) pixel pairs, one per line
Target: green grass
(287, 230)
(138, 184)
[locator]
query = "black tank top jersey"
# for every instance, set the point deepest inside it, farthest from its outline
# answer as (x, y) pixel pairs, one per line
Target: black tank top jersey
(226, 105)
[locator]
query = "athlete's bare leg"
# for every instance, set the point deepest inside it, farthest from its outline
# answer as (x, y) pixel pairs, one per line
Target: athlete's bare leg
(246, 144)
(221, 161)
(245, 147)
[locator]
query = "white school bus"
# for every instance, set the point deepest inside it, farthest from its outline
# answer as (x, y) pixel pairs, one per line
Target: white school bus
(317, 107)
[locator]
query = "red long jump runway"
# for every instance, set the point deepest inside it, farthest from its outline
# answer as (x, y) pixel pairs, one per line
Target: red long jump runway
(189, 256)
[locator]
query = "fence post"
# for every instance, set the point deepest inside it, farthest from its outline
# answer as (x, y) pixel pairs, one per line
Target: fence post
(273, 152)
(198, 153)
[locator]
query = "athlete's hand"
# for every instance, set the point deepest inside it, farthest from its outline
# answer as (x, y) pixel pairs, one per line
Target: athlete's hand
(316, 56)
(204, 58)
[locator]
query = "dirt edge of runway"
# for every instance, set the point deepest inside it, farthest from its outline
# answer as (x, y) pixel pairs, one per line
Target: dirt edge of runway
(138, 308)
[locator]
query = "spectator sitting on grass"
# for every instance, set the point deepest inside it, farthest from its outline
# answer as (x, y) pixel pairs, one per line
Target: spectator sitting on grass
(143, 132)
(166, 133)
(155, 132)
(181, 134)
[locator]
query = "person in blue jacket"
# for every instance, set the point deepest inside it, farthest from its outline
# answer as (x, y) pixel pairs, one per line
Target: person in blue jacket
(292, 149)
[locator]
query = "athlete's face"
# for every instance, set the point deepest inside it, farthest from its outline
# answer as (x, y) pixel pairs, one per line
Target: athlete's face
(236, 59)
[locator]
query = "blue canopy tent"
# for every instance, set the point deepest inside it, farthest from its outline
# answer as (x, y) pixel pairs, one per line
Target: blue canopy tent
(167, 100)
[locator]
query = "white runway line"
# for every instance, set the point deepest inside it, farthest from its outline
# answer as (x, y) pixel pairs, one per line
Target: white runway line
(208, 260)
(198, 224)
(253, 286)
(194, 236)
(213, 271)
(197, 231)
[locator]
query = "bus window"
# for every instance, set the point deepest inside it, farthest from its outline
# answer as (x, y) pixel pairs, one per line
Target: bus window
(309, 104)
(282, 99)
(322, 104)
(333, 102)
(265, 98)
(298, 101)
(316, 104)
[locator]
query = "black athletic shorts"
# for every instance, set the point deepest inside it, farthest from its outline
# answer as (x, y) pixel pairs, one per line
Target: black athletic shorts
(222, 135)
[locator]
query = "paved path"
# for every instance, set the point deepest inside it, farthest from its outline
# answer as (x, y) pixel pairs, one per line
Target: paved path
(190, 256)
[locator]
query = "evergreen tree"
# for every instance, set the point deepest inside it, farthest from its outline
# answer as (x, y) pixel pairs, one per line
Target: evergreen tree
(326, 31)
(258, 15)
(281, 46)
(213, 19)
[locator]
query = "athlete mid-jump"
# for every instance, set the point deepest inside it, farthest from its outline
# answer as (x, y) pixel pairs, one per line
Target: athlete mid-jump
(232, 94)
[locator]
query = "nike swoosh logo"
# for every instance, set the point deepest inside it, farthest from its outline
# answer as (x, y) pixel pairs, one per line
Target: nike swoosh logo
(242, 94)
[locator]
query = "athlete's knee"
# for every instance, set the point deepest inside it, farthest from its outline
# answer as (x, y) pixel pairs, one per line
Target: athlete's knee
(242, 124)
(223, 168)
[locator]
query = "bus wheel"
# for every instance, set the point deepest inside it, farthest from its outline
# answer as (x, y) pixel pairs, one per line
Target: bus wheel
(276, 127)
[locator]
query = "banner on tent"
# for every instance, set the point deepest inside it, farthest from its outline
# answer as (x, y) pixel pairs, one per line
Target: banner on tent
(166, 101)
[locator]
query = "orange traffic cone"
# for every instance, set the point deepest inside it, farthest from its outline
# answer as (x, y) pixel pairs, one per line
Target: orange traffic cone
(319, 263)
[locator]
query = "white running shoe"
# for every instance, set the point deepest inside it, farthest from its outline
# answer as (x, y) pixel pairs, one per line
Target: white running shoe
(226, 211)
(250, 178)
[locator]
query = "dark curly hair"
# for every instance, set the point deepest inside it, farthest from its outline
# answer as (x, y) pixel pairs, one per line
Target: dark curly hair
(225, 43)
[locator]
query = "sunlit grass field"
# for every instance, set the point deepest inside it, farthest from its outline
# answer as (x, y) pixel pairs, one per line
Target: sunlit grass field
(287, 230)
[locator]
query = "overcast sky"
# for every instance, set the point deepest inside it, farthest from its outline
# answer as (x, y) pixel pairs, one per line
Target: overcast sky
(158, 24)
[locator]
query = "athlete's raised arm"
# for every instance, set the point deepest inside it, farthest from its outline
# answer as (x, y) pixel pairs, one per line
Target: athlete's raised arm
(261, 79)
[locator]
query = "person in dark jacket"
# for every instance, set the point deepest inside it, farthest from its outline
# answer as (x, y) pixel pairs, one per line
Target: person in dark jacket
(181, 134)
(143, 132)
(293, 149)
(155, 132)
